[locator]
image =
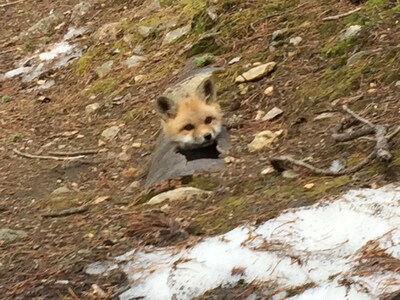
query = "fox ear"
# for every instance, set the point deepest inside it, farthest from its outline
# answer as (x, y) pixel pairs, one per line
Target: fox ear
(207, 90)
(165, 107)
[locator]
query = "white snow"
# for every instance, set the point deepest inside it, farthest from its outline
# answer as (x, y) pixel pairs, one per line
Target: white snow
(56, 55)
(319, 245)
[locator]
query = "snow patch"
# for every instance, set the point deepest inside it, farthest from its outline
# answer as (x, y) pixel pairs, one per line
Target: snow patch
(322, 245)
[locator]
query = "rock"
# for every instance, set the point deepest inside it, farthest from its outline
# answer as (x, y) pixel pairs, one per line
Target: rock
(259, 115)
(107, 32)
(134, 61)
(103, 70)
(124, 156)
(350, 32)
(290, 174)
(44, 26)
(295, 40)
(145, 31)
(267, 170)
(263, 140)
(357, 56)
(61, 190)
(397, 84)
(139, 78)
(234, 60)
(133, 187)
(80, 10)
(174, 35)
(110, 133)
(309, 186)
(256, 72)
(272, 114)
(183, 193)
(278, 34)
(138, 49)
(92, 108)
(203, 60)
(268, 91)
(337, 165)
(10, 235)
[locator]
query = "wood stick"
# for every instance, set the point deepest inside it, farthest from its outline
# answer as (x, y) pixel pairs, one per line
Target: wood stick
(73, 153)
(46, 156)
(341, 15)
(66, 212)
(10, 3)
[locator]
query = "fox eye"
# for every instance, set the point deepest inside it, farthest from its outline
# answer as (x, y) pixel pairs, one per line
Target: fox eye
(208, 120)
(188, 127)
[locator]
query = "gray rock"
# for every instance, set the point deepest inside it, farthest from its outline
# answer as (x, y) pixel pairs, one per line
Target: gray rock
(234, 60)
(61, 190)
(278, 34)
(10, 235)
(183, 193)
(103, 70)
(290, 174)
(110, 133)
(80, 10)
(296, 40)
(92, 108)
(256, 72)
(134, 61)
(145, 31)
(264, 139)
(357, 56)
(174, 35)
(351, 31)
(44, 26)
(272, 114)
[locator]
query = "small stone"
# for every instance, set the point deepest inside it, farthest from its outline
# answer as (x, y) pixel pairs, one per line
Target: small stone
(92, 108)
(397, 84)
(174, 35)
(309, 186)
(130, 172)
(229, 159)
(263, 140)
(267, 170)
(372, 91)
(108, 32)
(295, 40)
(101, 199)
(103, 70)
(10, 235)
(278, 34)
(145, 31)
(268, 91)
(137, 145)
(110, 133)
(183, 193)
(124, 156)
(259, 114)
(134, 186)
(44, 26)
(290, 174)
(139, 78)
(234, 60)
(351, 31)
(61, 190)
(256, 72)
(134, 61)
(272, 114)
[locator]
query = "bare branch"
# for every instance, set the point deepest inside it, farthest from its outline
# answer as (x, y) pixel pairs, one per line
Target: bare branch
(341, 15)
(46, 156)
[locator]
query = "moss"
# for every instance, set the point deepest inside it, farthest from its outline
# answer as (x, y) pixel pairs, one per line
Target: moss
(375, 3)
(204, 182)
(203, 60)
(341, 47)
(193, 7)
(85, 61)
(104, 86)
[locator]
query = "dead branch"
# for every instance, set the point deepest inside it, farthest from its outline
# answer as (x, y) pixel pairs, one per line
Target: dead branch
(66, 212)
(74, 153)
(10, 3)
(330, 18)
(27, 155)
(381, 150)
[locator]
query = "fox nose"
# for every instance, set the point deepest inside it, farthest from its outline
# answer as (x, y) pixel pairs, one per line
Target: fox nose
(207, 137)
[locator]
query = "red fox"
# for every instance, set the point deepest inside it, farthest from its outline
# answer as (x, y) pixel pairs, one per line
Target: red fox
(190, 115)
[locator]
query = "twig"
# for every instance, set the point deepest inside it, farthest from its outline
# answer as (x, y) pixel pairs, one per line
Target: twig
(10, 3)
(357, 117)
(341, 15)
(74, 153)
(66, 212)
(326, 172)
(380, 151)
(46, 156)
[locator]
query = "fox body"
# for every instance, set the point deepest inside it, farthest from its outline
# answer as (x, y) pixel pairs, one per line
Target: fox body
(190, 115)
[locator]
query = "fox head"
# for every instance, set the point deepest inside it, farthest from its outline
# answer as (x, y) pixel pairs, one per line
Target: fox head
(192, 119)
